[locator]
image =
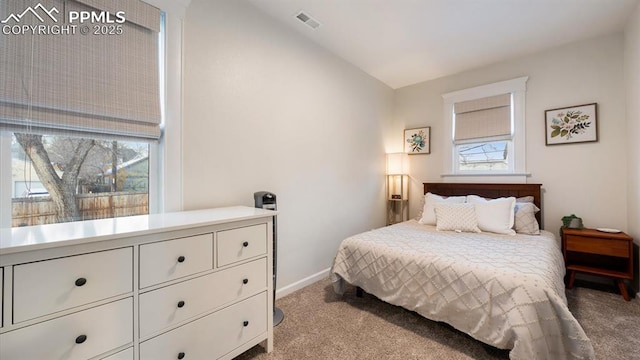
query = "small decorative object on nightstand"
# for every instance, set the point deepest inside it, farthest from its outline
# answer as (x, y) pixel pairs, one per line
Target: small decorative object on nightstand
(572, 222)
(604, 252)
(397, 188)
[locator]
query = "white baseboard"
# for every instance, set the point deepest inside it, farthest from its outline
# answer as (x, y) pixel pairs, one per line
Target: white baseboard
(286, 290)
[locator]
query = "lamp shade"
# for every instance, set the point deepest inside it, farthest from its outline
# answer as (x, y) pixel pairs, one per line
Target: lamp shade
(397, 164)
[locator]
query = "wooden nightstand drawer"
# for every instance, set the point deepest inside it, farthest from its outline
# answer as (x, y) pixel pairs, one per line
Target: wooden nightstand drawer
(599, 253)
(601, 246)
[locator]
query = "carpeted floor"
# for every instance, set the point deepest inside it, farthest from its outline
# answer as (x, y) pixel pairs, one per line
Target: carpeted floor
(321, 325)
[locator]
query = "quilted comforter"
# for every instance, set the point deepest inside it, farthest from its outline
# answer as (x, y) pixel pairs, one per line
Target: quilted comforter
(506, 291)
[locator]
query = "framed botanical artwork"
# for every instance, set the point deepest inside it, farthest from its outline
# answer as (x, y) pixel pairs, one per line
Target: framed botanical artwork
(417, 141)
(574, 124)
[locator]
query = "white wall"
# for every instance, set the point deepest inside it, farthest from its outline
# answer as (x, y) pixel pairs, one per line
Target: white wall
(588, 179)
(632, 86)
(265, 109)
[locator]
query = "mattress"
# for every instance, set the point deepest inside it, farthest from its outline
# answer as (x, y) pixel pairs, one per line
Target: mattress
(504, 290)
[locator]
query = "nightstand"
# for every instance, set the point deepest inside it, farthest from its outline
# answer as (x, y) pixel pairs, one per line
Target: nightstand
(599, 253)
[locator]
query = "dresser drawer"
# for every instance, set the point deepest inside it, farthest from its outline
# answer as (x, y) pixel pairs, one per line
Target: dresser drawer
(600, 246)
(105, 328)
(163, 307)
(45, 287)
(173, 259)
(122, 355)
(212, 336)
(241, 243)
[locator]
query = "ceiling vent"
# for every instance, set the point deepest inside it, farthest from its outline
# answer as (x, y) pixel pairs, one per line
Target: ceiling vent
(308, 20)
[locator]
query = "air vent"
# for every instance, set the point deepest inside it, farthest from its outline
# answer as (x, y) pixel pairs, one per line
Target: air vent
(308, 20)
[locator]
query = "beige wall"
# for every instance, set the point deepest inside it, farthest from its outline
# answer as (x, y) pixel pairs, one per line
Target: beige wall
(588, 179)
(265, 109)
(632, 85)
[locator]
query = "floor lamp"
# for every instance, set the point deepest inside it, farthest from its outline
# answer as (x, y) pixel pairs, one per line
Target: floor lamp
(397, 188)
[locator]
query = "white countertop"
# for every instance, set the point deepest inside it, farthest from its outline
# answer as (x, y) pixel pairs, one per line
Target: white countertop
(13, 240)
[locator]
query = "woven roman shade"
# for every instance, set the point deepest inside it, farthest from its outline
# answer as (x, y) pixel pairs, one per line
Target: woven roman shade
(86, 84)
(488, 117)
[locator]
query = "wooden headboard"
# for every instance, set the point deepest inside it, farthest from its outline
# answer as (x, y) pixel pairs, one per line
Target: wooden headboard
(489, 191)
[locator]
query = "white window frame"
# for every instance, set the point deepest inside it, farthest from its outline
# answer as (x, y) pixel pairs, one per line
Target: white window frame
(165, 187)
(168, 182)
(5, 179)
(517, 144)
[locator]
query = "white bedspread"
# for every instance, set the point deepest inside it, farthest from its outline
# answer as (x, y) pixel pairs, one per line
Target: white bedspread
(506, 291)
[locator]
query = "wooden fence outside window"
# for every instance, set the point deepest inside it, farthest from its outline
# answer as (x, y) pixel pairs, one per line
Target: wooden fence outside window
(40, 210)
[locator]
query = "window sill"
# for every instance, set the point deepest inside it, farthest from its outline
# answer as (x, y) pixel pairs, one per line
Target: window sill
(481, 177)
(486, 174)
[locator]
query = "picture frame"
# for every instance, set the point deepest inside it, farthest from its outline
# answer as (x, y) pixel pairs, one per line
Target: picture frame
(572, 124)
(417, 140)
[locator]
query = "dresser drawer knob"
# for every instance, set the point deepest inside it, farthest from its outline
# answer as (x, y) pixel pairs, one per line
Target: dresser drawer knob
(180, 303)
(245, 323)
(181, 355)
(245, 244)
(181, 258)
(80, 339)
(81, 281)
(245, 281)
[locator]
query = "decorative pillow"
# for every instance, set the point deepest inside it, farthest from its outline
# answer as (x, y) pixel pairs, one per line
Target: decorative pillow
(430, 200)
(525, 219)
(456, 217)
(525, 199)
(496, 215)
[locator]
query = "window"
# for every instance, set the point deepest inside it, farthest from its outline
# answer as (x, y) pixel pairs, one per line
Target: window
(484, 156)
(485, 126)
(81, 113)
(106, 178)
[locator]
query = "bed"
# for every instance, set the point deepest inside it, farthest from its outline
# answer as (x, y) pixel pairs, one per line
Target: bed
(505, 290)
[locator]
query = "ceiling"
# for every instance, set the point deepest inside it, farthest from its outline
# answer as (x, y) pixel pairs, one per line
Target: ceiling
(403, 42)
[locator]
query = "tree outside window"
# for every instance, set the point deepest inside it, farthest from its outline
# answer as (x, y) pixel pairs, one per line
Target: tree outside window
(73, 178)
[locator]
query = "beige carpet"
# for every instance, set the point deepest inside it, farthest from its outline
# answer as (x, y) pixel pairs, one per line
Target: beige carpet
(319, 324)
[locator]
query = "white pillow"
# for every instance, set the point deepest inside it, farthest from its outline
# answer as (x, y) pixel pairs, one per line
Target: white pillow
(430, 200)
(525, 199)
(496, 215)
(456, 217)
(525, 218)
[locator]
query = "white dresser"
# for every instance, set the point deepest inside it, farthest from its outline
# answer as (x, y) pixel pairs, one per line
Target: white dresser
(184, 285)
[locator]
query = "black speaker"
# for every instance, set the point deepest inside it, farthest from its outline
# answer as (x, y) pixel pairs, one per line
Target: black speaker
(267, 200)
